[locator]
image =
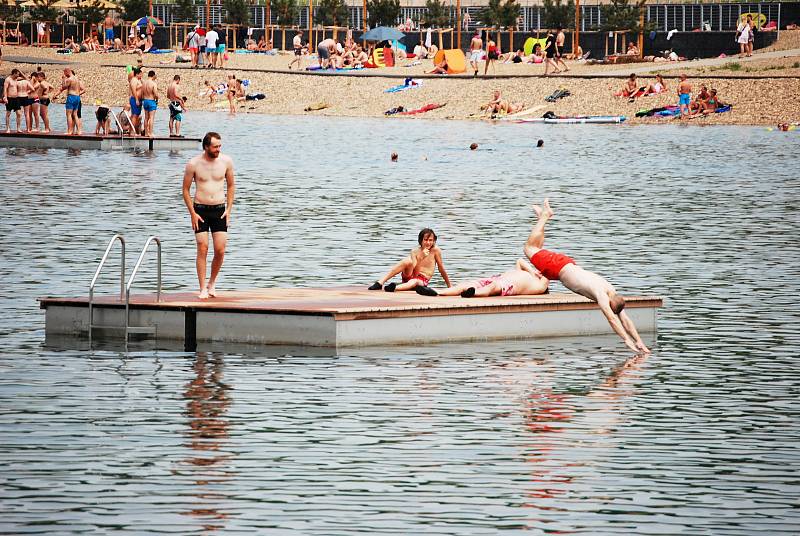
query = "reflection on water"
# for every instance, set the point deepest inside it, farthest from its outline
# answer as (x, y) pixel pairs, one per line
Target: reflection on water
(207, 402)
(546, 436)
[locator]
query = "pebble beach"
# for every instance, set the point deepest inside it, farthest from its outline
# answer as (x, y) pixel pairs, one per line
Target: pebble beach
(763, 92)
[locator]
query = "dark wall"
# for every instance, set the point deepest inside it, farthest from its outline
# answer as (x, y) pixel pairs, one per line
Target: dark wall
(688, 44)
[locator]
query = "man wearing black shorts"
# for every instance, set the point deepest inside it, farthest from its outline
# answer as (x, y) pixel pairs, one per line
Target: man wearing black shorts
(11, 100)
(550, 53)
(210, 210)
(297, 44)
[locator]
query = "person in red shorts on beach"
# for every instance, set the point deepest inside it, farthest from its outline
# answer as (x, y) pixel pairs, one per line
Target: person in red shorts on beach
(416, 269)
(557, 266)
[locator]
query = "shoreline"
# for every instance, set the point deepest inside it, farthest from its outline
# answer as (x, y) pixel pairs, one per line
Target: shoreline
(764, 95)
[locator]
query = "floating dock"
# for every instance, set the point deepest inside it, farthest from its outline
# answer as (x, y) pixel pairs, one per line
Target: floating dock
(90, 141)
(340, 317)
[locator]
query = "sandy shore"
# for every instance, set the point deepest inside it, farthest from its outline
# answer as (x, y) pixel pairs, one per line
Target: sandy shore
(765, 101)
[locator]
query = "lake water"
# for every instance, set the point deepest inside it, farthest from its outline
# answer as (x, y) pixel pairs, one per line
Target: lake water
(542, 436)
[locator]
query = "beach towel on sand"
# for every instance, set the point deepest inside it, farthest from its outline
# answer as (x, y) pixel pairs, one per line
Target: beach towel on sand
(410, 83)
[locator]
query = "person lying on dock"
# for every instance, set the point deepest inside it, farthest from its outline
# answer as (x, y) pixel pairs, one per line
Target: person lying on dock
(589, 284)
(522, 280)
(417, 269)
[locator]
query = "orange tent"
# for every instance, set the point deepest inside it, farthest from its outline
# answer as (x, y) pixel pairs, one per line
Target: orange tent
(456, 62)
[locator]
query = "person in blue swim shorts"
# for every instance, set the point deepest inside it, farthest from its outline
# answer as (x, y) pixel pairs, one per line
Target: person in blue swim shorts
(108, 32)
(72, 106)
(684, 95)
(149, 102)
(135, 99)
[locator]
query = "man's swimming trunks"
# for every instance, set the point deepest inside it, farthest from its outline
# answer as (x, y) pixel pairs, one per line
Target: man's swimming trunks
(136, 109)
(13, 104)
(550, 263)
(685, 99)
(73, 102)
(506, 288)
(175, 110)
(109, 34)
(422, 279)
(101, 113)
(149, 105)
(212, 218)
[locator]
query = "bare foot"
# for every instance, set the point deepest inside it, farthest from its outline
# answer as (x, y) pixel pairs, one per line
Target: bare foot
(212, 291)
(203, 294)
(538, 210)
(547, 210)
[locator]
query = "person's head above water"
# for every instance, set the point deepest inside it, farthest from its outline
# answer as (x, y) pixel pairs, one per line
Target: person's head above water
(426, 234)
(540, 143)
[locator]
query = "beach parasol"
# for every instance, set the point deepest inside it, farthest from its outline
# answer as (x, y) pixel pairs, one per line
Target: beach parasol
(383, 33)
(144, 20)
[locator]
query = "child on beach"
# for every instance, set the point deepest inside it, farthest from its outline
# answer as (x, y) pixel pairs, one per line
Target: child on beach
(416, 269)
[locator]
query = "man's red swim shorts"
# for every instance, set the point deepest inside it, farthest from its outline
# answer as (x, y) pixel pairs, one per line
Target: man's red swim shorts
(424, 280)
(550, 263)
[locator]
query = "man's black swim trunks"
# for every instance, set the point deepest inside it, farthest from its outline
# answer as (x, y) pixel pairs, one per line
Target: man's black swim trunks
(212, 218)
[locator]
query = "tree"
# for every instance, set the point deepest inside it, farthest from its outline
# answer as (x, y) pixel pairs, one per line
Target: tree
(184, 11)
(44, 10)
(437, 14)
(621, 15)
(383, 12)
(556, 14)
(285, 11)
(11, 12)
(499, 14)
(332, 13)
(133, 9)
(237, 12)
(91, 11)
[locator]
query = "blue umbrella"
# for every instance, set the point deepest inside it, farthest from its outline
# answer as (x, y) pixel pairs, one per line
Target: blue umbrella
(383, 33)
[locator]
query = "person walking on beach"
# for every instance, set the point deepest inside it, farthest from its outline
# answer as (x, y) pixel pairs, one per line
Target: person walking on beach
(10, 98)
(193, 44)
(560, 40)
(475, 51)
(211, 48)
(684, 95)
(589, 284)
(297, 45)
(550, 53)
(149, 102)
(210, 210)
(72, 106)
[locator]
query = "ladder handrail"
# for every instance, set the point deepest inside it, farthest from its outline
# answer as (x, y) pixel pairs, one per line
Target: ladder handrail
(103, 262)
(97, 274)
(133, 277)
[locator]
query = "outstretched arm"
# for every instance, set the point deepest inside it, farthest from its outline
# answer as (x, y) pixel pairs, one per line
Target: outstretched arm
(617, 326)
(629, 326)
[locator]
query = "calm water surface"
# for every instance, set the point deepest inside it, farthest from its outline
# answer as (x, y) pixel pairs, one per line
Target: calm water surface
(570, 436)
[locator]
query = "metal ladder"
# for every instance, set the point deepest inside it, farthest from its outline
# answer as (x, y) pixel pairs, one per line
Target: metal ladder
(124, 289)
(121, 130)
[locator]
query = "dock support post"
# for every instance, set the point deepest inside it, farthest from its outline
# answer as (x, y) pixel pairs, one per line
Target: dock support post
(190, 331)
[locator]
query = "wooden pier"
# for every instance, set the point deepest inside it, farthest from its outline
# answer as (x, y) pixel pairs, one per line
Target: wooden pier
(340, 317)
(92, 142)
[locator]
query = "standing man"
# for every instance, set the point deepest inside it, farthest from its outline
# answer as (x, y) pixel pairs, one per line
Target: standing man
(149, 102)
(560, 40)
(177, 105)
(135, 100)
(211, 208)
(193, 44)
(556, 266)
(211, 48)
(25, 90)
(297, 45)
(10, 98)
(108, 32)
(684, 95)
(72, 106)
(475, 51)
